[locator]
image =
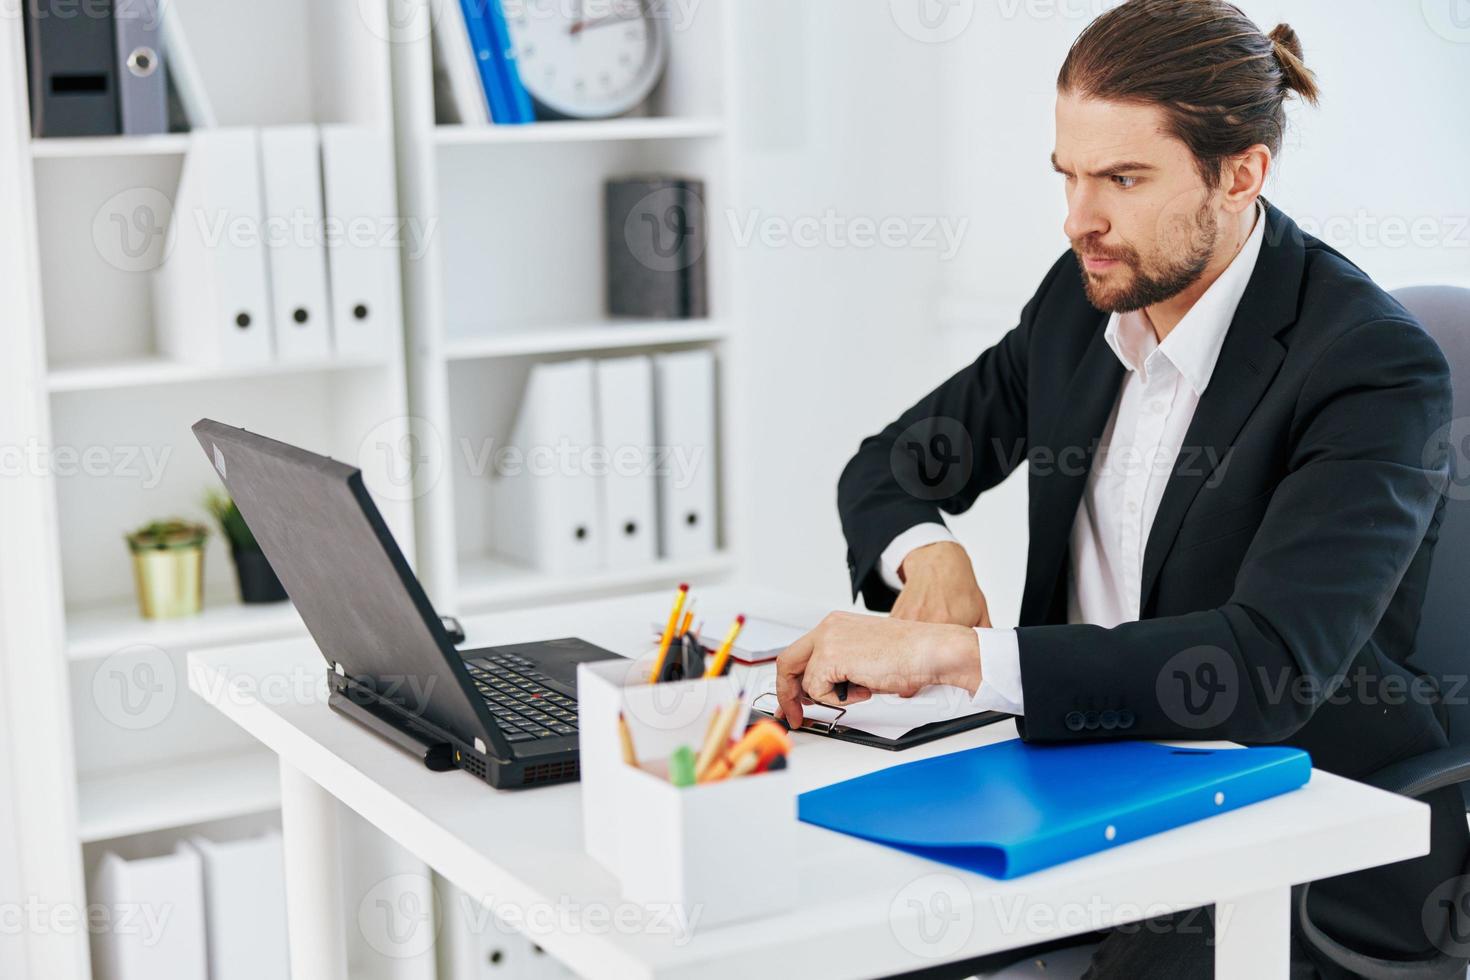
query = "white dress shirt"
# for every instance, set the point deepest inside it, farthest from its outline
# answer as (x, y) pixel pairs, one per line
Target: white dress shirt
(1139, 446)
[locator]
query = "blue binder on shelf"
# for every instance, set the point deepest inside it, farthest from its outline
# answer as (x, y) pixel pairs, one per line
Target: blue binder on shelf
(495, 57)
(1009, 809)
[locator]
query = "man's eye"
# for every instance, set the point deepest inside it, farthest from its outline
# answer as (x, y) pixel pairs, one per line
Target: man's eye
(1125, 182)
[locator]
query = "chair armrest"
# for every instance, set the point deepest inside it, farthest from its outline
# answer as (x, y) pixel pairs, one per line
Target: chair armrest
(1413, 778)
(1425, 773)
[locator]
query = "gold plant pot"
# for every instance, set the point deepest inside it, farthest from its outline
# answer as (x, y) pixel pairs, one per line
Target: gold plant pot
(168, 570)
(170, 583)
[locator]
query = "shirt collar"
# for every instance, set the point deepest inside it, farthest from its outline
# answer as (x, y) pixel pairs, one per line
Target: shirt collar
(1193, 346)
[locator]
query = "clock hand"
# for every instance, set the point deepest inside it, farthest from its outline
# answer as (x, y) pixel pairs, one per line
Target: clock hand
(582, 24)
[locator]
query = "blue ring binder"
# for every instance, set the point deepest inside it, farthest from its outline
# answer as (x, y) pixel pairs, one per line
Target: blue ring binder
(1009, 809)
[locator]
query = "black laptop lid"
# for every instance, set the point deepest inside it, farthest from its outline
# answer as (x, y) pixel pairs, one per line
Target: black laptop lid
(339, 563)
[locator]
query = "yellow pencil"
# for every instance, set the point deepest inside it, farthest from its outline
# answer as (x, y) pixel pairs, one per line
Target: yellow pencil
(722, 656)
(718, 739)
(668, 637)
(688, 618)
(629, 756)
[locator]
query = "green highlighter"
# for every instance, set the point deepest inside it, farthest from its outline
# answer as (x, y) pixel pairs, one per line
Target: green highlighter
(681, 766)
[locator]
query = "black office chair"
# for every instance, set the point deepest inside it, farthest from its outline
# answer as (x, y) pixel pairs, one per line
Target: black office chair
(1440, 648)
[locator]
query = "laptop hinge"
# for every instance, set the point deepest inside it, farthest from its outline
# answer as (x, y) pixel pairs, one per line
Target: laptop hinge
(434, 753)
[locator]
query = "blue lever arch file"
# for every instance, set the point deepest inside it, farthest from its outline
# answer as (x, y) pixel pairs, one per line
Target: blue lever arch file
(1010, 808)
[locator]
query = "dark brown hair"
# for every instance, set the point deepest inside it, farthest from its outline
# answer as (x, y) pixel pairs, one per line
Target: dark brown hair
(1221, 82)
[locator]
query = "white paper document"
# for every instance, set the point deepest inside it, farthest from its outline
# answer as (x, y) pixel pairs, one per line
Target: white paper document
(760, 640)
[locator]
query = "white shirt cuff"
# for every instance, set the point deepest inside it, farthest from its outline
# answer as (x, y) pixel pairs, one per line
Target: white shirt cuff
(899, 548)
(1000, 672)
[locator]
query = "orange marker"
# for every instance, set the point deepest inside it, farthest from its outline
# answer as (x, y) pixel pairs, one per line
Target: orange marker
(668, 637)
(765, 740)
(722, 656)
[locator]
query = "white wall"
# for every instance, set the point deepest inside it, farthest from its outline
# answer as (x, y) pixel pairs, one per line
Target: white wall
(840, 114)
(862, 116)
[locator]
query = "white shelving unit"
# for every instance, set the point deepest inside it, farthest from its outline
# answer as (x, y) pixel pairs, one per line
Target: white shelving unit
(128, 754)
(511, 273)
(583, 338)
(142, 801)
(515, 275)
(609, 130)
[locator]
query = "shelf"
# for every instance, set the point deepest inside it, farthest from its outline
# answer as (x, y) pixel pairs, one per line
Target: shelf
(490, 581)
(606, 130)
(149, 371)
(608, 335)
(101, 630)
(77, 147)
(138, 801)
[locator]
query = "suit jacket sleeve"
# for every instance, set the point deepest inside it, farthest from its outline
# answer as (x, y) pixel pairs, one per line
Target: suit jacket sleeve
(961, 439)
(1367, 467)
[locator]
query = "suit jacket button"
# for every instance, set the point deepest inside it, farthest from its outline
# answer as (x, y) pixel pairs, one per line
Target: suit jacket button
(1075, 721)
(1090, 721)
(1108, 719)
(1125, 719)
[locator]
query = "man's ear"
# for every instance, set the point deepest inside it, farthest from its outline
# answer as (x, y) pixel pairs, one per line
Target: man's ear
(1244, 177)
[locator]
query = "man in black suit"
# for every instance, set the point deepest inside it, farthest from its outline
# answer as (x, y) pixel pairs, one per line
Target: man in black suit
(1236, 457)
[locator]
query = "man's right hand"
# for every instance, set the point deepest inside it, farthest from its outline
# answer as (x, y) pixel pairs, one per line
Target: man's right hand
(939, 587)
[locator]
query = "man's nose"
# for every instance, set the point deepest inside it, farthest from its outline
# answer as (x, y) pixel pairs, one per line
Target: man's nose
(1083, 217)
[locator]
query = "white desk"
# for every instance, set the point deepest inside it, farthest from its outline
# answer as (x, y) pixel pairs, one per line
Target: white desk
(865, 910)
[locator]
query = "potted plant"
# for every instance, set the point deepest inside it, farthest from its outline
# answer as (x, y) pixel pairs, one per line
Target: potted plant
(168, 568)
(258, 581)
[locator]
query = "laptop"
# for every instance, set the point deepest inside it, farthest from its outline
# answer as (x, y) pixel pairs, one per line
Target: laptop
(505, 714)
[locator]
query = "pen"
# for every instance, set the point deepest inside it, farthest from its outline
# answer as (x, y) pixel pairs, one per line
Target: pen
(691, 656)
(722, 656)
(840, 689)
(668, 637)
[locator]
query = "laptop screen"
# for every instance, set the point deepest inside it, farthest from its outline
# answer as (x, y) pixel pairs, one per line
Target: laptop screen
(336, 558)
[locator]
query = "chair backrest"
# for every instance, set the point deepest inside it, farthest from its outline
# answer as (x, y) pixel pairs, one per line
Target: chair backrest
(1443, 646)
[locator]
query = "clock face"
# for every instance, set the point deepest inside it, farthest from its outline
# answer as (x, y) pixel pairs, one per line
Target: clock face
(587, 59)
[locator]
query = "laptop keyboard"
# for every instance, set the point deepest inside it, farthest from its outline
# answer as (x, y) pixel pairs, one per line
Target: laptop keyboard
(521, 699)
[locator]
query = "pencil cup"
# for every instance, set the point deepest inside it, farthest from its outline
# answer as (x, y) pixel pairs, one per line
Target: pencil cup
(713, 853)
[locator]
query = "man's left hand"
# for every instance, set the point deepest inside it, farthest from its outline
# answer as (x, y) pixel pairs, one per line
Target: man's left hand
(873, 655)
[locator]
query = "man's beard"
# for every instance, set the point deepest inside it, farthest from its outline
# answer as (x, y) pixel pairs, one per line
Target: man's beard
(1147, 288)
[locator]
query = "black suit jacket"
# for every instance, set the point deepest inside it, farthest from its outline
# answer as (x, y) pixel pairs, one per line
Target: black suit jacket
(1285, 570)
